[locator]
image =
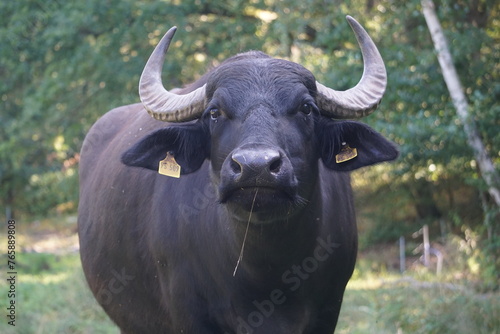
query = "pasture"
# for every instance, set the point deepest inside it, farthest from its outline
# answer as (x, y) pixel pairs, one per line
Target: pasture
(52, 296)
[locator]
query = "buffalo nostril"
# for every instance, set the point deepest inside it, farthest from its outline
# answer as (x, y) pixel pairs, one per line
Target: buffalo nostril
(275, 166)
(235, 166)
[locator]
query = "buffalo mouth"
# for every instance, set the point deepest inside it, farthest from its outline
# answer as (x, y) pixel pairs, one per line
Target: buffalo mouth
(263, 200)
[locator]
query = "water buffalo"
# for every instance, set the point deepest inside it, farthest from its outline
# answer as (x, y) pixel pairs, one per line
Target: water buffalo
(258, 234)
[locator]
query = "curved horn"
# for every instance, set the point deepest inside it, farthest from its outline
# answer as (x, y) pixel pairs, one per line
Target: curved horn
(159, 102)
(365, 97)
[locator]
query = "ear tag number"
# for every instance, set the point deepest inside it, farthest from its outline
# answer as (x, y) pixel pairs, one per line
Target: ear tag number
(346, 153)
(169, 167)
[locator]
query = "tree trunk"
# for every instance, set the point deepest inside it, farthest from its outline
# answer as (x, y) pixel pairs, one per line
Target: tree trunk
(452, 80)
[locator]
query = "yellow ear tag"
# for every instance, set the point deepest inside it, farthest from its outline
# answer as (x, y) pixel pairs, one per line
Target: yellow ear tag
(346, 153)
(169, 167)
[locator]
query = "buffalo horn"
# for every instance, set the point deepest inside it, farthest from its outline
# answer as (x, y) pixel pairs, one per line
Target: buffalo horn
(159, 102)
(365, 97)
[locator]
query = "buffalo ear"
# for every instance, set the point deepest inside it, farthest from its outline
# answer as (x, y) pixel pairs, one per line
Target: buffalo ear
(188, 143)
(370, 145)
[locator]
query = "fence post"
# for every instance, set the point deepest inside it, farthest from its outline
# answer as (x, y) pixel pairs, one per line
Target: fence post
(8, 213)
(402, 255)
(427, 246)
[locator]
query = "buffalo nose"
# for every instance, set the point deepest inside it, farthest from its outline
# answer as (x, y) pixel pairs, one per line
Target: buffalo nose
(254, 163)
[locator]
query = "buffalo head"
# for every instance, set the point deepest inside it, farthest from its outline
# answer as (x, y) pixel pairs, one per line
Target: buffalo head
(264, 124)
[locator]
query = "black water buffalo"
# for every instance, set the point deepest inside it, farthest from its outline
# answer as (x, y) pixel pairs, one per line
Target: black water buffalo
(258, 234)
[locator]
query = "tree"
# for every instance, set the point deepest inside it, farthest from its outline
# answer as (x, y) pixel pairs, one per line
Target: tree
(485, 163)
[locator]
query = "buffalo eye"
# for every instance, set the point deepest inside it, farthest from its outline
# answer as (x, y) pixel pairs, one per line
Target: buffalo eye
(306, 108)
(214, 113)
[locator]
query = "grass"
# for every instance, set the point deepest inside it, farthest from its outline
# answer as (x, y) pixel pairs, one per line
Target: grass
(411, 306)
(52, 296)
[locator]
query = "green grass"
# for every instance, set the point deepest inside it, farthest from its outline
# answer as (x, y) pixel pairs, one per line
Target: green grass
(52, 297)
(411, 306)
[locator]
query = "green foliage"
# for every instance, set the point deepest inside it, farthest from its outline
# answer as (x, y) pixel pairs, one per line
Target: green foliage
(65, 64)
